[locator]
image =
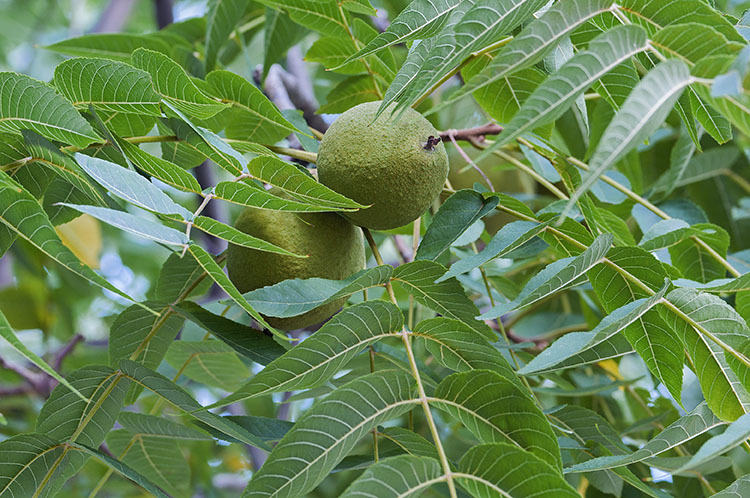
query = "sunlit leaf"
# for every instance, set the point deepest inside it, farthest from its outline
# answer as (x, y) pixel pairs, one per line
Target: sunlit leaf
(293, 297)
(658, 345)
(496, 410)
(420, 19)
(737, 489)
(324, 17)
(460, 348)
(454, 217)
(296, 183)
(309, 451)
(500, 469)
(557, 93)
(352, 91)
(280, 34)
(722, 375)
(678, 40)
(130, 186)
(396, 477)
(214, 271)
(697, 422)
(510, 237)
(555, 277)
(221, 18)
(470, 28)
(204, 144)
(568, 347)
(26, 103)
(320, 357)
(133, 224)
(115, 46)
(174, 85)
(238, 237)
(166, 171)
(641, 114)
(107, 85)
(253, 117)
(446, 298)
(737, 432)
(535, 40)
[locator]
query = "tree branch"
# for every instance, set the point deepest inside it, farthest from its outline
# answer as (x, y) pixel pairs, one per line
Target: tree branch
(65, 351)
(164, 13)
(468, 134)
(275, 90)
(16, 391)
(403, 249)
(114, 17)
(32, 378)
(300, 89)
(38, 382)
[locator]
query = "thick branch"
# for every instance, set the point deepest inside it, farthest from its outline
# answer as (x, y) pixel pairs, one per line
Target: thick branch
(114, 17)
(164, 13)
(275, 90)
(300, 89)
(33, 378)
(16, 391)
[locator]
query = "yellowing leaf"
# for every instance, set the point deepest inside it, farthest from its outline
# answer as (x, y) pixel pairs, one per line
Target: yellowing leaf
(611, 367)
(83, 236)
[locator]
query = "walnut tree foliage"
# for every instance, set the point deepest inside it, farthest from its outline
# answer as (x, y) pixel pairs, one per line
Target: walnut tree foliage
(571, 322)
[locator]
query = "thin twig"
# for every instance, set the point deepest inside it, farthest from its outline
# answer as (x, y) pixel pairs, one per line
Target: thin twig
(521, 167)
(65, 351)
(452, 136)
(468, 133)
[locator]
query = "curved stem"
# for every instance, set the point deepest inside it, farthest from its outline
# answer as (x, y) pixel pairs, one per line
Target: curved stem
(530, 171)
(623, 189)
(415, 246)
(518, 164)
(465, 156)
